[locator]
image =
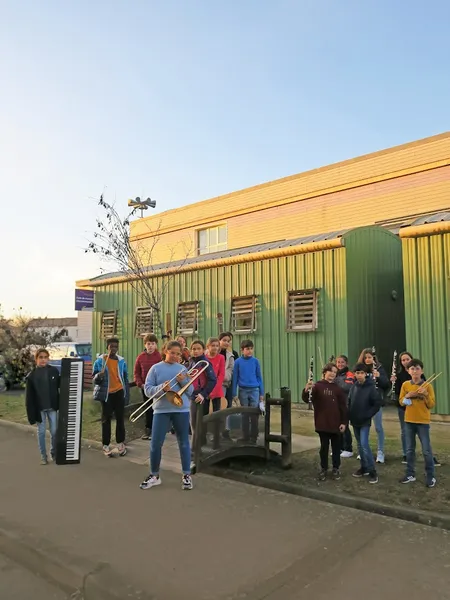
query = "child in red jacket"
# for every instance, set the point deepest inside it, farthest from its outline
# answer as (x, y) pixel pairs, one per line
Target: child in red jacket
(218, 362)
(144, 362)
(330, 417)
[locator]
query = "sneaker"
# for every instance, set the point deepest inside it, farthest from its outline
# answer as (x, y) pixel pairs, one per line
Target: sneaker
(408, 479)
(186, 482)
(150, 482)
(380, 457)
(358, 457)
(44, 460)
(322, 475)
(346, 454)
(107, 451)
(359, 473)
(436, 462)
(336, 474)
(147, 435)
(431, 482)
(122, 449)
(404, 461)
(373, 477)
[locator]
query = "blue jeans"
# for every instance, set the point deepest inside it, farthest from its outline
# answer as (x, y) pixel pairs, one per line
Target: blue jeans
(162, 423)
(423, 433)
(362, 439)
(401, 418)
(52, 417)
(249, 397)
(378, 422)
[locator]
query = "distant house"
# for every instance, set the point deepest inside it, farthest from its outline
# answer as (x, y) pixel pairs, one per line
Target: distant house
(79, 329)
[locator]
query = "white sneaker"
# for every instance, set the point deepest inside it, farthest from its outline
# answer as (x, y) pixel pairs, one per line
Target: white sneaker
(358, 457)
(380, 457)
(122, 449)
(107, 451)
(186, 482)
(346, 454)
(150, 482)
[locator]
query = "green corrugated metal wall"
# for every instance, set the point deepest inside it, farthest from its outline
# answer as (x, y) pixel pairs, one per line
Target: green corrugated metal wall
(284, 356)
(426, 269)
(375, 313)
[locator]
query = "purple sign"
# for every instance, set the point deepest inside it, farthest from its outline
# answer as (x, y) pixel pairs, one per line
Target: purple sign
(84, 299)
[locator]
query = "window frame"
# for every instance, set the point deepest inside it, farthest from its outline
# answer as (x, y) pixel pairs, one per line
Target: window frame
(207, 230)
(140, 334)
(109, 314)
(233, 319)
(313, 326)
(192, 304)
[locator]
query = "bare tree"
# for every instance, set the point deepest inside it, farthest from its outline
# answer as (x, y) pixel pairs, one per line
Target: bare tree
(134, 259)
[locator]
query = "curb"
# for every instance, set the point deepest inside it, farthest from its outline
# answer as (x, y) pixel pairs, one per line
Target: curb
(420, 517)
(85, 443)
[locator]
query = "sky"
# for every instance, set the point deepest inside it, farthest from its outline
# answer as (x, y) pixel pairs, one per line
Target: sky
(184, 100)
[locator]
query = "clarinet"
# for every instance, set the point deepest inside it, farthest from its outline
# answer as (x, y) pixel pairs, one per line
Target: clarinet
(394, 372)
(374, 366)
(310, 380)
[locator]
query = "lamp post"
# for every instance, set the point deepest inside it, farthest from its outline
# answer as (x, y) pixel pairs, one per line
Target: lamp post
(142, 204)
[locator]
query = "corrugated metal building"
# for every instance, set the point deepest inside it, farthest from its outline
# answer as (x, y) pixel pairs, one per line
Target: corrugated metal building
(426, 268)
(339, 291)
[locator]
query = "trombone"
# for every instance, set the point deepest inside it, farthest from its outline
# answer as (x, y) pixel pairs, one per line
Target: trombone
(172, 396)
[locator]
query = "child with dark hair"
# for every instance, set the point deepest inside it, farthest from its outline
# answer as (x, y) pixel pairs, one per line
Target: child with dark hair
(345, 379)
(230, 356)
(168, 376)
(418, 398)
(248, 378)
(377, 374)
(363, 403)
(42, 401)
(144, 362)
(202, 386)
(218, 363)
(330, 418)
(111, 388)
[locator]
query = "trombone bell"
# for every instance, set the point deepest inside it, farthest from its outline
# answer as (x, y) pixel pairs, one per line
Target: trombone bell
(174, 398)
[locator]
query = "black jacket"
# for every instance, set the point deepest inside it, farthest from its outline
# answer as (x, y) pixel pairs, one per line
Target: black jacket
(363, 403)
(32, 397)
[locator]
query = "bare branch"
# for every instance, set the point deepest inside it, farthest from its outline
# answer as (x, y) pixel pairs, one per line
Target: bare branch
(133, 259)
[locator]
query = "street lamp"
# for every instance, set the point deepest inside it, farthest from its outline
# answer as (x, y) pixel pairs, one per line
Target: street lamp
(142, 204)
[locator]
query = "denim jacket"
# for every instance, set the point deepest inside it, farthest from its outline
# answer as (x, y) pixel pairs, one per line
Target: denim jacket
(101, 380)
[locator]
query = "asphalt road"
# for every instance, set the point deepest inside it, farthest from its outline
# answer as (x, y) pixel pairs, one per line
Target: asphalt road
(89, 533)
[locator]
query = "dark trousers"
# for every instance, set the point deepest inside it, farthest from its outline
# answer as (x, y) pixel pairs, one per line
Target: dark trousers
(325, 440)
(114, 405)
(229, 396)
(346, 440)
(148, 414)
(215, 405)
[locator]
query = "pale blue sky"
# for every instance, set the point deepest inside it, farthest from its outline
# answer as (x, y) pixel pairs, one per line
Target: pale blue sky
(183, 100)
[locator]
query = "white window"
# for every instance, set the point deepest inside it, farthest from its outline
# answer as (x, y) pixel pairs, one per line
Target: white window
(145, 322)
(213, 239)
(243, 314)
(109, 324)
(301, 310)
(187, 318)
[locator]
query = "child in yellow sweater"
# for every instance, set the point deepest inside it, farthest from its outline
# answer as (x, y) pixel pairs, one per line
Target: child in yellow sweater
(419, 399)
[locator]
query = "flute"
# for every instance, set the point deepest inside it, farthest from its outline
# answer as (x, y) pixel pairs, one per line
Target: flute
(394, 372)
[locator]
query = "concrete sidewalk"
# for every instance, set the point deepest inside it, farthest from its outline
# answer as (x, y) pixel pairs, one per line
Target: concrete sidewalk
(91, 533)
